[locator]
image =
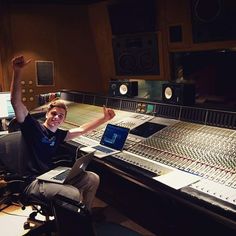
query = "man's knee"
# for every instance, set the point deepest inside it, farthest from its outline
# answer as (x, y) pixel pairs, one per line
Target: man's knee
(70, 192)
(94, 179)
(50, 190)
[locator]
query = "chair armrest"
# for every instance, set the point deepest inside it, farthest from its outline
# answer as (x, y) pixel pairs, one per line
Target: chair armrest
(16, 183)
(15, 177)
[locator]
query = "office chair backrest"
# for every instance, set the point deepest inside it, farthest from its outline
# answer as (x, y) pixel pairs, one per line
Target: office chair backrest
(15, 157)
(13, 125)
(14, 153)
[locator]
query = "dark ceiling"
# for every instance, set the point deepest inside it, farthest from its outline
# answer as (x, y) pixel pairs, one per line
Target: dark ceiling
(79, 2)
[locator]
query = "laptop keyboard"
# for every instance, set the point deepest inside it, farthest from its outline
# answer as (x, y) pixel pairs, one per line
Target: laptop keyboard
(62, 175)
(103, 149)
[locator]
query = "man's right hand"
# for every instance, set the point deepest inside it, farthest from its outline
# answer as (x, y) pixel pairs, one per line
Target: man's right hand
(20, 110)
(19, 62)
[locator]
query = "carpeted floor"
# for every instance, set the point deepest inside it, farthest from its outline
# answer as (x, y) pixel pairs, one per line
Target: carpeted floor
(12, 219)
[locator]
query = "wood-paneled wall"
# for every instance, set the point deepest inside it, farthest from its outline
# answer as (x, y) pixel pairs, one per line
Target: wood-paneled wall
(58, 33)
(78, 38)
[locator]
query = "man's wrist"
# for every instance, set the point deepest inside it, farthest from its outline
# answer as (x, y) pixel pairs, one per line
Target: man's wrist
(104, 119)
(17, 72)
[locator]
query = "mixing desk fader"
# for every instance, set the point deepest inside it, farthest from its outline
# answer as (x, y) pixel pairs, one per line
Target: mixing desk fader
(133, 120)
(129, 121)
(207, 152)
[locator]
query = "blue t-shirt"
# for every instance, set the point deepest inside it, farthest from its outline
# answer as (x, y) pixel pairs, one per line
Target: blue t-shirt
(42, 142)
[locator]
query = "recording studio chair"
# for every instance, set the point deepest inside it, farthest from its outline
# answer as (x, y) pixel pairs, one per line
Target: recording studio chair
(13, 126)
(73, 218)
(14, 154)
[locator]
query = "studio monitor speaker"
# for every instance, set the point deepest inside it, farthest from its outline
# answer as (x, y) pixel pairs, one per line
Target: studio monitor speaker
(178, 93)
(213, 20)
(136, 54)
(123, 88)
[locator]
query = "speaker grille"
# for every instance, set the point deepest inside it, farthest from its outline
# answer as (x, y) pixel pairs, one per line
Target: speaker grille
(221, 119)
(136, 54)
(167, 111)
(113, 103)
(89, 99)
(213, 20)
(123, 88)
(128, 105)
(72, 96)
(193, 115)
(68, 96)
(79, 98)
(100, 101)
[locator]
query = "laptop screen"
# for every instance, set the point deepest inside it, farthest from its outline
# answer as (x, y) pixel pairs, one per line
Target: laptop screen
(114, 136)
(6, 110)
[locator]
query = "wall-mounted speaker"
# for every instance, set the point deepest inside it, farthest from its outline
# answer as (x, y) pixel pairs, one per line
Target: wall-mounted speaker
(213, 20)
(136, 54)
(123, 88)
(178, 93)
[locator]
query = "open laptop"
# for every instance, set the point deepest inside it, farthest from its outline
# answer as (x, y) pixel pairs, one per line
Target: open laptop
(64, 175)
(112, 141)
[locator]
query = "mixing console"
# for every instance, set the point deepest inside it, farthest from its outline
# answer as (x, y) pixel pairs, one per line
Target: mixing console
(205, 151)
(191, 147)
(209, 152)
(149, 165)
(79, 114)
(131, 121)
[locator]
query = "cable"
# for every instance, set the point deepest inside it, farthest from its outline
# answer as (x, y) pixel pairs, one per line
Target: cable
(12, 214)
(77, 151)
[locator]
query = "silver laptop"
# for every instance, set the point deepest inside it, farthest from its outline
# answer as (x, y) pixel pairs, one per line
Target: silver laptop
(64, 175)
(112, 141)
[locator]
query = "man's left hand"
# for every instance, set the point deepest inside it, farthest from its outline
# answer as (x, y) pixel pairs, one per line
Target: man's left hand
(108, 113)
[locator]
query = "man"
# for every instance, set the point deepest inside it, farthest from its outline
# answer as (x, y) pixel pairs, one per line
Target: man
(44, 139)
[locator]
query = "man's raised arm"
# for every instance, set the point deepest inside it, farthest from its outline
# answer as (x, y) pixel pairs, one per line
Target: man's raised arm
(18, 63)
(108, 114)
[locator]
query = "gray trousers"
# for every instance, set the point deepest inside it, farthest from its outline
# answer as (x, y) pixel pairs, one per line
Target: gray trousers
(82, 189)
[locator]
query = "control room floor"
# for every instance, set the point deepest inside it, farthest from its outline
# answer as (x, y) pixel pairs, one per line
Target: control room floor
(12, 219)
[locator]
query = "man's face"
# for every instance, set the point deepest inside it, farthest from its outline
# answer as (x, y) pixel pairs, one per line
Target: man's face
(55, 117)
